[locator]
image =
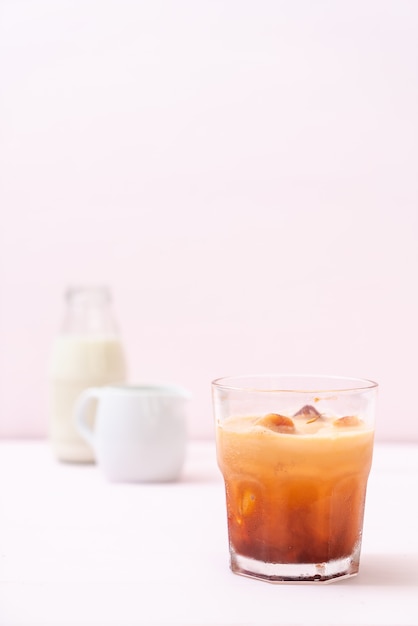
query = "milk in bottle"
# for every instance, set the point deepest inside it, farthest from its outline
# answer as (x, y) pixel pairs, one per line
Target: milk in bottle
(87, 353)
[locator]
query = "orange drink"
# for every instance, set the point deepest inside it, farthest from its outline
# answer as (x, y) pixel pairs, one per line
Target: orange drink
(295, 479)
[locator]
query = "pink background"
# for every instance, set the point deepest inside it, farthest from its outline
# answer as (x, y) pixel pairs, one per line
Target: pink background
(243, 175)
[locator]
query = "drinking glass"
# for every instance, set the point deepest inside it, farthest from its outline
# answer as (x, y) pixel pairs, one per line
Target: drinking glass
(295, 453)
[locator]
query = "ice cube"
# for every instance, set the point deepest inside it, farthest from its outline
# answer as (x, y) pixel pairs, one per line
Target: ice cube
(347, 420)
(309, 412)
(277, 423)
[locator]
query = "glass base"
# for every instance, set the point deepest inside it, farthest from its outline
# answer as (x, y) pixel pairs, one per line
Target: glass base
(296, 572)
(72, 452)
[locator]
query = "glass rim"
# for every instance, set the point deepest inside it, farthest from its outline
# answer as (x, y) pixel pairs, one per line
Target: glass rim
(241, 383)
(102, 291)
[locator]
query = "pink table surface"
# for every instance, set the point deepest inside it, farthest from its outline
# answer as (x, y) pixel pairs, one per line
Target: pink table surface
(76, 550)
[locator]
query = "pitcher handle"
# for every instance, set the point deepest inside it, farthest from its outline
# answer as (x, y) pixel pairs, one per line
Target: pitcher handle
(80, 413)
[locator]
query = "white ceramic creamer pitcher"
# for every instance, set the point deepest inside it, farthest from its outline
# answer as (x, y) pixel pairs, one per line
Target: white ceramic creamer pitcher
(139, 432)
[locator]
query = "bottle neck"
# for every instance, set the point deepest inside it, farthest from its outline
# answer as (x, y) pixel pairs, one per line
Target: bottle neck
(88, 312)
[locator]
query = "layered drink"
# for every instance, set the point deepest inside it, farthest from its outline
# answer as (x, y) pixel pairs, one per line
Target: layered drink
(295, 492)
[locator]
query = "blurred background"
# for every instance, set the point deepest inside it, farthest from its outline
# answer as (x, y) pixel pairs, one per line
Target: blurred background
(241, 174)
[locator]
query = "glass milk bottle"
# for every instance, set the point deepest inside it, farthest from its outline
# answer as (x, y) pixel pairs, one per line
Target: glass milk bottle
(87, 353)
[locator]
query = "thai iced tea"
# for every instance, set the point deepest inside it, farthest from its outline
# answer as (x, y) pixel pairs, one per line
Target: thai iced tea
(295, 489)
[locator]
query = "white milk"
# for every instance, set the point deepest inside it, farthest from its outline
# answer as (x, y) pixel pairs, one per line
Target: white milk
(78, 362)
